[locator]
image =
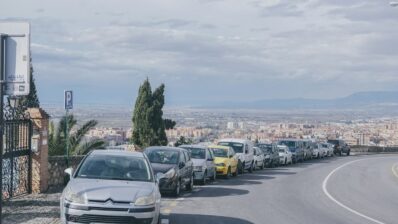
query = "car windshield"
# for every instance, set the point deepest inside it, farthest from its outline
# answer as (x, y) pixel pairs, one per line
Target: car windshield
(163, 156)
(325, 145)
(238, 147)
(220, 153)
(281, 150)
(198, 153)
(112, 167)
(266, 148)
(290, 144)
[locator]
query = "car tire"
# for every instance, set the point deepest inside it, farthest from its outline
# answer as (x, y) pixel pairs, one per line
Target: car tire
(228, 173)
(189, 186)
(348, 153)
(251, 168)
(177, 190)
(262, 166)
(214, 177)
(235, 174)
(203, 181)
(242, 168)
(285, 162)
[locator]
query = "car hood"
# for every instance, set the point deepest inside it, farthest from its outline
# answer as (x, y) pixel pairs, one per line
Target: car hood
(281, 154)
(115, 190)
(162, 168)
(198, 162)
(218, 160)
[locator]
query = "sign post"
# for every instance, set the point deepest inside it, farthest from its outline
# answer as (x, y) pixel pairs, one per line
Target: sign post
(14, 74)
(68, 97)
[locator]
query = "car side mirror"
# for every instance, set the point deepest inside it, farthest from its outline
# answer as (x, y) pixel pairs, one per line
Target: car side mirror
(230, 156)
(181, 165)
(210, 159)
(246, 151)
(69, 171)
(159, 176)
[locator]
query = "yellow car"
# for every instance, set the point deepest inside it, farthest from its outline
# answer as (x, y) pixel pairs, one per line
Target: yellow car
(225, 160)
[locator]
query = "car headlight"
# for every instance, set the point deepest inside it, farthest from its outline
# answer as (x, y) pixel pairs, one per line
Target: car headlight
(220, 164)
(145, 200)
(73, 197)
(170, 174)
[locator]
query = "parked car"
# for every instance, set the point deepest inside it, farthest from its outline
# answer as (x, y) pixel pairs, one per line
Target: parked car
(285, 156)
(317, 152)
(175, 164)
(259, 158)
(244, 152)
(116, 186)
(323, 150)
(340, 147)
(203, 163)
(225, 160)
(308, 146)
(328, 148)
(296, 147)
(271, 154)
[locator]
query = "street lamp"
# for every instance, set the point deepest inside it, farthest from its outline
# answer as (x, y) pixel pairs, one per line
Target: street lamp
(13, 102)
(394, 4)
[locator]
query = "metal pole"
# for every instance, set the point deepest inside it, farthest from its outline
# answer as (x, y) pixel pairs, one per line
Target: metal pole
(66, 138)
(2, 74)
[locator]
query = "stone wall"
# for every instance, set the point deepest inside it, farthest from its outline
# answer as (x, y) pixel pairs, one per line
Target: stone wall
(56, 168)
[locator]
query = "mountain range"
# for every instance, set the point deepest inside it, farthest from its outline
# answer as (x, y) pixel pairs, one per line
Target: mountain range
(360, 100)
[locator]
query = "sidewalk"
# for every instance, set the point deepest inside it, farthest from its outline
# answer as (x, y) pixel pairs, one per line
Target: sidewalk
(32, 209)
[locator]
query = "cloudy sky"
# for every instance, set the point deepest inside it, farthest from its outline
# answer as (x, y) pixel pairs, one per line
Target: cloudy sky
(207, 51)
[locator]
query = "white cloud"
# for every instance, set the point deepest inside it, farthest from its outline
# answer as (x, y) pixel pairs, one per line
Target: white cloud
(227, 46)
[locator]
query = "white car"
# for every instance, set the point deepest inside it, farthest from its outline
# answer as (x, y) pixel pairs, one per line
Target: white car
(285, 155)
(328, 148)
(244, 152)
(259, 158)
(317, 152)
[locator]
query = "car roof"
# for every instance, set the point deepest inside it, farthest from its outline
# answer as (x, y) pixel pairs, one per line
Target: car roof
(165, 148)
(193, 146)
(117, 152)
(218, 147)
(237, 140)
(290, 139)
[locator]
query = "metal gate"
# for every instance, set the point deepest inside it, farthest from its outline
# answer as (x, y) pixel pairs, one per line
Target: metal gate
(17, 157)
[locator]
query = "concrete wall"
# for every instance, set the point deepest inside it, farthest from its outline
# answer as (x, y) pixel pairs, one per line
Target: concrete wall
(373, 149)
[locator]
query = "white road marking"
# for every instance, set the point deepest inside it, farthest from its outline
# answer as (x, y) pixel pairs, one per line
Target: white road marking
(395, 169)
(325, 190)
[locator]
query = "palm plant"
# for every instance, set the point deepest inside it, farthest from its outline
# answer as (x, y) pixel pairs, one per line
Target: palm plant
(57, 137)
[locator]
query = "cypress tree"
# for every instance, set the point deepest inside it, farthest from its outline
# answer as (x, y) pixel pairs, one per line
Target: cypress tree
(148, 124)
(31, 100)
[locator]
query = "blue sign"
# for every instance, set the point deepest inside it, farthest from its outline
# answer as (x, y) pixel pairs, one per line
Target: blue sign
(68, 100)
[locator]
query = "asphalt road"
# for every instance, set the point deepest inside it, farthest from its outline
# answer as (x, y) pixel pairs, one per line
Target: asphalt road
(354, 190)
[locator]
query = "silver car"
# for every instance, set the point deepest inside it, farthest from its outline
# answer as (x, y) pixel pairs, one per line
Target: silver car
(203, 163)
(111, 187)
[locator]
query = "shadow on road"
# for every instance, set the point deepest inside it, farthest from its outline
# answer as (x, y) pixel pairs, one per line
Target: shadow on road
(211, 191)
(205, 219)
(246, 179)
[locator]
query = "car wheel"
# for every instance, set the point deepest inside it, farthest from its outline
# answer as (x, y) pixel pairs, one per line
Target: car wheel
(348, 153)
(228, 173)
(262, 166)
(203, 182)
(176, 192)
(236, 172)
(189, 186)
(285, 161)
(214, 177)
(242, 168)
(251, 168)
